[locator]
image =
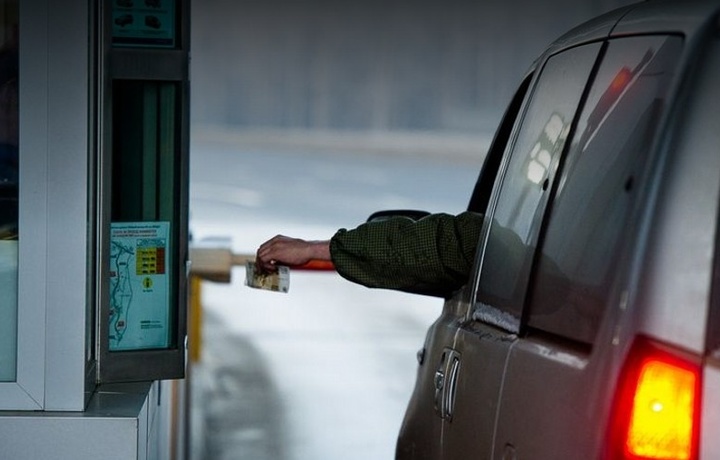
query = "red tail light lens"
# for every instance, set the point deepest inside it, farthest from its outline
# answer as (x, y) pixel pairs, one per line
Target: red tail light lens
(657, 411)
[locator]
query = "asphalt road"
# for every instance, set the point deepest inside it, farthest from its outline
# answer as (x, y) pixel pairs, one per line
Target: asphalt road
(323, 372)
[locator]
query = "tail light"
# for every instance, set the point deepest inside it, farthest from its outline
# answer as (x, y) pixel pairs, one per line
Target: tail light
(657, 409)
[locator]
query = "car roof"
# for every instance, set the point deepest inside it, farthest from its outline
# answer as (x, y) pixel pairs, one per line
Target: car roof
(668, 16)
(687, 17)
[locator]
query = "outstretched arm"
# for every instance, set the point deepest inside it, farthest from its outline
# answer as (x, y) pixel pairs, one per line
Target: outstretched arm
(434, 254)
(431, 255)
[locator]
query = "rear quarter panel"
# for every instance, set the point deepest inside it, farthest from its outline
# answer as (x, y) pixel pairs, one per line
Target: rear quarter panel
(677, 278)
(709, 439)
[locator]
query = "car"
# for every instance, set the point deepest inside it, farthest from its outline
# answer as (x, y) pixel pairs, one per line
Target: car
(590, 325)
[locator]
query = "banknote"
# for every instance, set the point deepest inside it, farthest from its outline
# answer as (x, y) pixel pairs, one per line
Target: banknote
(278, 281)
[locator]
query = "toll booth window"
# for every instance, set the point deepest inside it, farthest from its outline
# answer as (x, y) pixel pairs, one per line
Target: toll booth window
(145, 216)
(9, 179)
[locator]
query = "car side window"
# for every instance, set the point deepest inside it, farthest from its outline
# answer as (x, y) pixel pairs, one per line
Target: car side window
(526, 184)
(599, 180)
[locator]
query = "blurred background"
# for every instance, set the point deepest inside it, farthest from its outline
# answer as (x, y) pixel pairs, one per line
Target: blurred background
(374, 65)
(307, 116)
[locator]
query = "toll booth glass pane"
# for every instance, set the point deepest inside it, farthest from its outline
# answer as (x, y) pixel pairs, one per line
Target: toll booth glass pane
(145, 216)
(9, 179)
(146, 24)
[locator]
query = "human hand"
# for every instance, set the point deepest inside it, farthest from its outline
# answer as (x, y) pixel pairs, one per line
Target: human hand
(283, 250)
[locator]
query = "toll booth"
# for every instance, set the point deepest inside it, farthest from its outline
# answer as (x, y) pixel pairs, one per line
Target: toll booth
(94, 115)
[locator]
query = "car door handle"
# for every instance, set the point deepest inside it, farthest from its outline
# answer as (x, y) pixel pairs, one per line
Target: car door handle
(445, 383)
(451, 387)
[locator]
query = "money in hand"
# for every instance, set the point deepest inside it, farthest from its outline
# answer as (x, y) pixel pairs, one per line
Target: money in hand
(278, 281)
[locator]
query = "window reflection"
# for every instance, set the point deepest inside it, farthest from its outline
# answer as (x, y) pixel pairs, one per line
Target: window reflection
(592, 212)
(8, 188)
(551, 140)
(539, 143)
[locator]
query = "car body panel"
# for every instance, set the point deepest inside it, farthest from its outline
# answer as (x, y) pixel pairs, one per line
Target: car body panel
(482, 350)
(709, 439)
(678, 268)
(538, 427)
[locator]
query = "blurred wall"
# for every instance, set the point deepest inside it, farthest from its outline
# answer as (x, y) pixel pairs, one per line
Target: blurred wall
(369, 65)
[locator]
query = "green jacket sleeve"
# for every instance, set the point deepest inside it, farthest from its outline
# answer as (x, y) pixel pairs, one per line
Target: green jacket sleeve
(433, 255)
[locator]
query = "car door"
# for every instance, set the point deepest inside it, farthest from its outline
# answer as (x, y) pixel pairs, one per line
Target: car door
(485, 340)
(557, 387)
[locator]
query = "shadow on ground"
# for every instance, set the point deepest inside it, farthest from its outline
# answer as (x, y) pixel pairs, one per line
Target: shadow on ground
(237, 412)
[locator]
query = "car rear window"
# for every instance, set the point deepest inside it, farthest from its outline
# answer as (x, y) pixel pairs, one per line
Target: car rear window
(600, 178)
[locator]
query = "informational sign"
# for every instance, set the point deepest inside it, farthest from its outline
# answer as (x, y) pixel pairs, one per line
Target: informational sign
(139, 286)
(144, 23)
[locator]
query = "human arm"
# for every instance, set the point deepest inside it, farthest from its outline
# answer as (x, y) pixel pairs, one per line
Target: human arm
(433, 255)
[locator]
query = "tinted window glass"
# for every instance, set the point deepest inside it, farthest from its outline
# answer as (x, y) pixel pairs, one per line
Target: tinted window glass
(9, 177)
(541, 138)
(599, 182)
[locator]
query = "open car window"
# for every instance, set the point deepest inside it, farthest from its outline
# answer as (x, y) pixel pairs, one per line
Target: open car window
(491, 164)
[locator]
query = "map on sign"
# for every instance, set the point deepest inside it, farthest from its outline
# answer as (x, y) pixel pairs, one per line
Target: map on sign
(139, 286)
(146, 23)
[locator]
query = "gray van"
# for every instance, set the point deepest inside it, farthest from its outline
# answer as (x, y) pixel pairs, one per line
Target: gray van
(590, 327)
